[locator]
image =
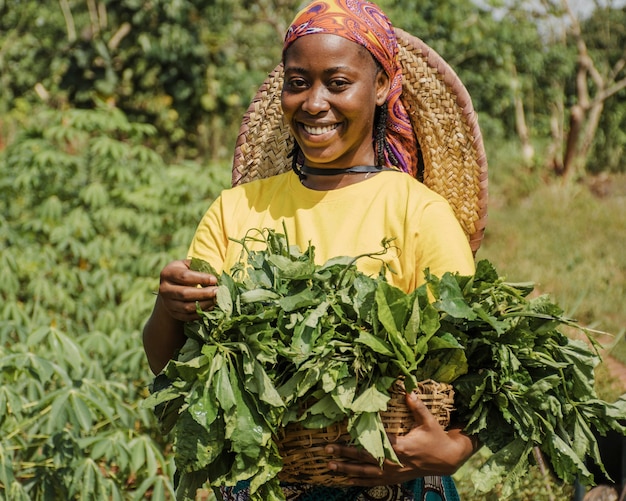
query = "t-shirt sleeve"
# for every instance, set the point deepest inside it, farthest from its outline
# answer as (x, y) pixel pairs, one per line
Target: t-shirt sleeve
(444, 246)
(210, 242)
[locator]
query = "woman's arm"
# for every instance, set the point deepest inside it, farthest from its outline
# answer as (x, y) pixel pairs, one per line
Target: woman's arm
(180, 291)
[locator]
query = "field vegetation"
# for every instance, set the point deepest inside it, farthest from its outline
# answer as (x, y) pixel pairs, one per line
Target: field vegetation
(117, 124)
(569, 242)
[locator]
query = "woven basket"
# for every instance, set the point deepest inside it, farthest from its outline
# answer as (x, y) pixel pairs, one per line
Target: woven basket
(302, 450)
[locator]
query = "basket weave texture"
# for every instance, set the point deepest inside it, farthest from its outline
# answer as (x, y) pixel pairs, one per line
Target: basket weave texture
(302, 450)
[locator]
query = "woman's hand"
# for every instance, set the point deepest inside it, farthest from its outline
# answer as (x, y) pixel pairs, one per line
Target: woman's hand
(426, 450)
(180, 289)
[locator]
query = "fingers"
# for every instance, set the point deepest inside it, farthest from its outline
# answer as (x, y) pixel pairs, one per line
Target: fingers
(427, 449)
(355, 454)
(178, 273)
(421, 415)
(354, 462)
(182, 290)
(362, 468)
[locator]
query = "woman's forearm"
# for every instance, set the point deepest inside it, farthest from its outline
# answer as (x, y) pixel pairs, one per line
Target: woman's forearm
(163, 336)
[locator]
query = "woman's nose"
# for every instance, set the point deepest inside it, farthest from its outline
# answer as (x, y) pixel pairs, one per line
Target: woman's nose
(316, 100)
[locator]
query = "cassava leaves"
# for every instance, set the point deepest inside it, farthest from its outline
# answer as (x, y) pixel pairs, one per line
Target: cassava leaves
(287, 331)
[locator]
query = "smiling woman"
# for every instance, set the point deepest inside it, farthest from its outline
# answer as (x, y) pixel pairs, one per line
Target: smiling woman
(352, 184)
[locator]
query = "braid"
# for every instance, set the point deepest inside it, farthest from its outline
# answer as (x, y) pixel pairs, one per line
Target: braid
(380, 138)
(380, 126)
(392, 156)
(295, 155)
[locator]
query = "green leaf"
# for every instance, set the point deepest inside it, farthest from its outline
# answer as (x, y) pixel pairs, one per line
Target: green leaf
(197, 447)
(430, 323)
(451, 365)
(204, 408)
(202, 266)
(244, 427)
(81, 412)
(413, 324)
(261, 384)
(328, 408)
(258, 296)
(300, 300)
(224, 391)
(292, 269)
(567, 465)
(368, 431)
(451, 299)
(392, 312)
(375, 343)
(510, 462)
(393, 307)
(224, 299)
(344, 393)
(370, 400)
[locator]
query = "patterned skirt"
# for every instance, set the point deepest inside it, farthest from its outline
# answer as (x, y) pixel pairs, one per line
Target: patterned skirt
(422, 489)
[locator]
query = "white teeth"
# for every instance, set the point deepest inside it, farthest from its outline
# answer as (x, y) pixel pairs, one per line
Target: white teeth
(318, 131)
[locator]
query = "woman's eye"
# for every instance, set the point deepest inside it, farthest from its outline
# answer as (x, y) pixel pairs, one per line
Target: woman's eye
(296, 83)
(338, 84)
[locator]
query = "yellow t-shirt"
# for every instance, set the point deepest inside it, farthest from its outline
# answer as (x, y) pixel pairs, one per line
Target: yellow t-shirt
(347, 221)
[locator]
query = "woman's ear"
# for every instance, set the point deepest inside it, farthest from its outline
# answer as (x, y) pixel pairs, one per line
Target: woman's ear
(382, 87)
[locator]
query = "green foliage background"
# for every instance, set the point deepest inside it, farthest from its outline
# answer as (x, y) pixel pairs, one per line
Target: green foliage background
(89, 217)
(117, 121)
(190, 67)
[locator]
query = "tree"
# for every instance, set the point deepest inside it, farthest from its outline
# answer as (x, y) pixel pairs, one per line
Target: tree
(584, 66)
(188, 67)
(597, 79)
(603, 139)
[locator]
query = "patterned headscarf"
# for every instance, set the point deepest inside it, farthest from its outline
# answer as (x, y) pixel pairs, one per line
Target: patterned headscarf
(366, 24)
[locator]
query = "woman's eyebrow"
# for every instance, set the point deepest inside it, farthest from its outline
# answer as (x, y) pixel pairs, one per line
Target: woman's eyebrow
(331, 70)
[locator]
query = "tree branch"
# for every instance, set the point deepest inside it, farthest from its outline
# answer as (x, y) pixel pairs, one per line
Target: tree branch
(117, 37)
(93, 17)
(610, 91)
(69, 20)
(617, 68)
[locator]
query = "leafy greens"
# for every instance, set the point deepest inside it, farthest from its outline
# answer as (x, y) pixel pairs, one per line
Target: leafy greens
(287, 331)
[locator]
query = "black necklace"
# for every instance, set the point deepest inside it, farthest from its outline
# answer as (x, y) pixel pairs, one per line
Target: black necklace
(305, 170)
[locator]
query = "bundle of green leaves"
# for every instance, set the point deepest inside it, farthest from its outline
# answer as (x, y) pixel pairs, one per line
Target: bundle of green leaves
(287, 332)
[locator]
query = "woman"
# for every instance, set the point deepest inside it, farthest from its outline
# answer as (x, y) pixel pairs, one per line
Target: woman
(346, 193)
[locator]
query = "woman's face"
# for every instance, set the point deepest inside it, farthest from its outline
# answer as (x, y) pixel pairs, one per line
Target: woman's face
(330, 93)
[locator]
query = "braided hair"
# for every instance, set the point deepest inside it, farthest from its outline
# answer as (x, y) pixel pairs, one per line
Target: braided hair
(380, 138)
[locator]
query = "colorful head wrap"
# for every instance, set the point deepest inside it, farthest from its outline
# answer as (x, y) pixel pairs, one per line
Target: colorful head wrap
(366, 24)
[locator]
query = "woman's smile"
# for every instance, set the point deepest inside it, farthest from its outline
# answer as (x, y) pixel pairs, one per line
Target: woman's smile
(319, 130)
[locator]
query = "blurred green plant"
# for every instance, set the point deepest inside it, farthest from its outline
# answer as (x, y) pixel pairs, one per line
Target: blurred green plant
(188, 67)
(88, 218)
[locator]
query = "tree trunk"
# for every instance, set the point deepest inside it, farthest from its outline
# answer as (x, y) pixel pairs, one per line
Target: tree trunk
(577, 115)
(591, 127)
(585, 114)
(554, 154)
(528, 152)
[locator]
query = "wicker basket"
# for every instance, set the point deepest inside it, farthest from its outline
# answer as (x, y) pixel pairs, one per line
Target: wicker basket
(302, 450)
